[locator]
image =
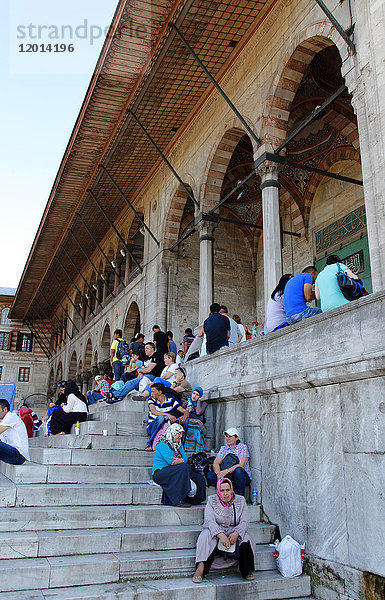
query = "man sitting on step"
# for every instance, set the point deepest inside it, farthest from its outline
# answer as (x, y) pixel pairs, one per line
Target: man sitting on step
(13, 436)
(163, 408)
(152, 368)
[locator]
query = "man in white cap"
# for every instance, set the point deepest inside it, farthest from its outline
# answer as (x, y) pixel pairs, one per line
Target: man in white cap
(99, 390)
(232, 461)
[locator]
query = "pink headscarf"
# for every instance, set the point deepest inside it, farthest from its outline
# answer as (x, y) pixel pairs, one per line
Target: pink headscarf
(225, 480)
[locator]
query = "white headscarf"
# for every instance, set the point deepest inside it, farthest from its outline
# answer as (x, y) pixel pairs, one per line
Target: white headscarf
(169, 438)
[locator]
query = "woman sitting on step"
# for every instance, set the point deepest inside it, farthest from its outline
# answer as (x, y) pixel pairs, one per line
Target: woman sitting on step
(233, 461)
(75, 409)
(196, 408)
(174, 474)
(225, 538)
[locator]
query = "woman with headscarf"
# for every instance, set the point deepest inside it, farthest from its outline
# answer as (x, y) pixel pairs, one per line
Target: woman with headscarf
(174, 474)
(226, 523)
(196, 407)
(73, 410)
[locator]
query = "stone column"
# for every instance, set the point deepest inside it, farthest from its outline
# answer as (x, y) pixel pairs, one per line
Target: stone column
(364, 76)
(272, 252)
(206, 268)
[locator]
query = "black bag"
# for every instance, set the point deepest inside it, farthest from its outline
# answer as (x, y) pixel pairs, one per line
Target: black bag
(229, 461)
(230, 555)
(352, 289)
(198, 461)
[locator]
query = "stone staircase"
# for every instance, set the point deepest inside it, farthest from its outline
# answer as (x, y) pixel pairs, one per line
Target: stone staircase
(80, 522)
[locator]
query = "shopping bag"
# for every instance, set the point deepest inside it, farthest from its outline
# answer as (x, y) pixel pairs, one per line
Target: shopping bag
(289, 556)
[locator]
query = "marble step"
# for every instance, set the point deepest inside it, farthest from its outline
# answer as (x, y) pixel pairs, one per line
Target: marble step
(123, 416)
(111, 427)
(52, 456)
(51, 473)
(47, 518)
(126, 405)
(268, 585)
(175, 562)
(95, 441)
(38, 544)
(79, 495)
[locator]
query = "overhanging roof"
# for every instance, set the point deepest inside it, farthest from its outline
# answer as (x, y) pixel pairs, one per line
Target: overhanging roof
(164, 85)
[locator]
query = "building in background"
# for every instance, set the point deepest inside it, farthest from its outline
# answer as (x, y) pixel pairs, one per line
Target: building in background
(22, 361)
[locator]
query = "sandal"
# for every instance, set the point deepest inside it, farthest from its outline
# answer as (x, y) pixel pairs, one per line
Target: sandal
(250, 576)
(197, 579)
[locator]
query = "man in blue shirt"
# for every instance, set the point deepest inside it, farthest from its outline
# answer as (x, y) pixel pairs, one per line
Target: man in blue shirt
(298, 291)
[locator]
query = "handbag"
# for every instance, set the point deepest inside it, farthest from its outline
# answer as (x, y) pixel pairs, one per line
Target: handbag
(229, 461)
(352, 289)
(233, 552)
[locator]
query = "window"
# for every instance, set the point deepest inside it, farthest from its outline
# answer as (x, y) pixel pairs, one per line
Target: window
(24, 373)
(24, 342)
(4, 317)
(1, 373)
(4, 340)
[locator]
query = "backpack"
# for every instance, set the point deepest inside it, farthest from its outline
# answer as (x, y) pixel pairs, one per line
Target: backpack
(122, 350)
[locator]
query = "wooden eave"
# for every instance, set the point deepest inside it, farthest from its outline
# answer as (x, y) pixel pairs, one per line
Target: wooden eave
(163, 83)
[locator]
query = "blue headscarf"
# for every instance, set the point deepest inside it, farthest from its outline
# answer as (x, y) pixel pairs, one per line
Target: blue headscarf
(194, 402)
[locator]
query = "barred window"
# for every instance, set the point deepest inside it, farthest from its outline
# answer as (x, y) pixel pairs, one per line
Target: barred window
(24, 342)
(4, 340)
(24, 373)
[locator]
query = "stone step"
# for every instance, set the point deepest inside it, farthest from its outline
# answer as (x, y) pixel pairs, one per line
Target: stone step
(58, 571)
(174, 563)
(35, 473)
(124, 405)
(97, 427)
(123, 416)
(80, 495)
(39, 544)
(95, 441)
(268, 585)
(53, 456)
(126, 417)
(47, 518)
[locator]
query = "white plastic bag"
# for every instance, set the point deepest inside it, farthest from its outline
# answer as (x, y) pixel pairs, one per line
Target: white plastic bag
(289, 556)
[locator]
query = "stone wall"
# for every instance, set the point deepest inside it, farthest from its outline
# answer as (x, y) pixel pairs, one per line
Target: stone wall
(309, 403)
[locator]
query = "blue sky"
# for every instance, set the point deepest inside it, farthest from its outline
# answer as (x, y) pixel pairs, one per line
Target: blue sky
(42, 93)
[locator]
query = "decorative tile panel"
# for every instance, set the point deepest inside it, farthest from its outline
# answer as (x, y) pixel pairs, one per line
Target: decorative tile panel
(340, 229)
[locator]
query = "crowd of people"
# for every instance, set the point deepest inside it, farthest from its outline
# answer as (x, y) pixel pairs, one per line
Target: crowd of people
(176, 411)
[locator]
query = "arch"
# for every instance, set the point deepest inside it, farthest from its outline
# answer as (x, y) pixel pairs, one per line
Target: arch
(51, 382)
(105, 343)
(218, 166)
(88, 355)
(174, 217)
(296, 61)
(73, 366)
(132, 321)
(335, 156)
(59, 372)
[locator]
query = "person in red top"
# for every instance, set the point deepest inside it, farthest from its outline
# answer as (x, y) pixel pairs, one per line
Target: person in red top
(25, 415)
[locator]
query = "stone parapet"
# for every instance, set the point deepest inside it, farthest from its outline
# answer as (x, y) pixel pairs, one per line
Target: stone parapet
(309, 402)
